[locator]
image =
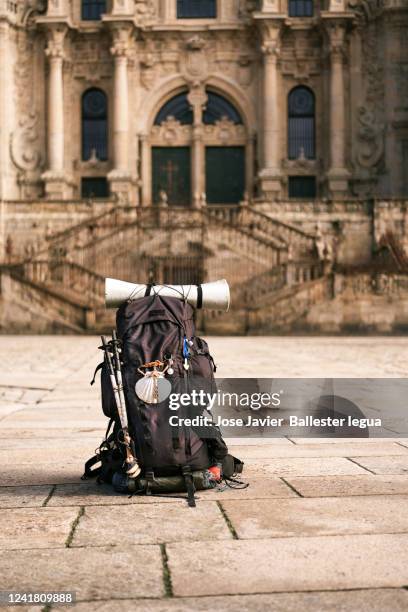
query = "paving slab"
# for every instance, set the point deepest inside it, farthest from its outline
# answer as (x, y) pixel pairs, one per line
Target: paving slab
(45, 455)
(92, 494)
(330, 440)
(289, 564)
(343, 486)
(63, 445)
(10, 435)
(22, 528)
(43, 422)
(150, 524)
(356, 449)
(17, 497)
(318, 516)
(302, 466)
(47, 473)
(384, 465)
(245, 441)
(367, 600)
(93, 573)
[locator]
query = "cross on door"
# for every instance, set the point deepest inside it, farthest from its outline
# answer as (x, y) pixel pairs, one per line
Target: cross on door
(170, 170)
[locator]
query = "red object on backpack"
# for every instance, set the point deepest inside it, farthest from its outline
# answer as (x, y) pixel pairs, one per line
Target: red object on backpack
(216, 472)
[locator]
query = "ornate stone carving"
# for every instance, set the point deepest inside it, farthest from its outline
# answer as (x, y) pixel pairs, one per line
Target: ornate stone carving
(195, 60)
(172, 132)
(246, 8)
(370, 115)
(25, 144)
(337, 40)
(144, 11)
(25, 149)
(148, 70)
(224, 132)
(31, 9)
(366, 10)
(245, 71)
(370, 149)
(55, 46)
(120, 40)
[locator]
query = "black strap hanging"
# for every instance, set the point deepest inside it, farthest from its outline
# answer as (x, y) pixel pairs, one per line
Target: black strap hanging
(98, 367)
(89, 472)
(199, 296)
(188, 479)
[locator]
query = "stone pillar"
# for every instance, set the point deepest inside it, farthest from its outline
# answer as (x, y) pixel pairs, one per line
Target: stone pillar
(57, 185)
(338, 174)
(270, 174)
(4, 108)
(197, 98)
(146, 170)
(120, 175)
(249, 167)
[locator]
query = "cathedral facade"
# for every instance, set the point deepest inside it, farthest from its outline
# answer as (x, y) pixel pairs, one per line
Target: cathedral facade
(221, 100)
(282, 122)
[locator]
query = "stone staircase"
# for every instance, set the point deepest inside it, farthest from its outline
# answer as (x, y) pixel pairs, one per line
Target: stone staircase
(260, 256)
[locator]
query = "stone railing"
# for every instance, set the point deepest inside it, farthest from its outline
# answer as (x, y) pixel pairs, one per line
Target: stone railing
(76, 283)
(371, 283)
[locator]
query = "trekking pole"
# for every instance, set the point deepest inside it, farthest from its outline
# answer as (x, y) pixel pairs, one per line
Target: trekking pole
(135, 470)
(132, 468)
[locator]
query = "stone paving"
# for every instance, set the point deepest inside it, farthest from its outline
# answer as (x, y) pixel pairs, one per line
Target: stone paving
(323, 525)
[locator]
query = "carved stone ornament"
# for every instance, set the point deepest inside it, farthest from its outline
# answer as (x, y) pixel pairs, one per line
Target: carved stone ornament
(246, 8)
(144, 11)
(31, 9)
(25, 142)
(25, 150)
(55, 47)
(148, 70)
(195, 61)
(172, 132)
(366, 10)
(370, 145)
(120, 40)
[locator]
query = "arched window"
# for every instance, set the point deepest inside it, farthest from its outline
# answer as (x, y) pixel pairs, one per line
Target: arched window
(94, 125)
(196, 9)
(218, 107)
(301, 123)
(177, 107)
(300, 8)
(93, 9)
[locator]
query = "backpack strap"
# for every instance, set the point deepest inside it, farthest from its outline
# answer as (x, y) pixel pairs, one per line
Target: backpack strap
(98, 367)
(199, 297)
(149, 288)
(149, 475)
(188, 479)
(89, 472)
(111, 421)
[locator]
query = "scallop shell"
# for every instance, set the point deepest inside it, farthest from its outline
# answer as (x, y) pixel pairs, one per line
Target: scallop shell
(153, 389)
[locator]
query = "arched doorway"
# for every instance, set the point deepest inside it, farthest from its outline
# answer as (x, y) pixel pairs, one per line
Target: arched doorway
(198, 145)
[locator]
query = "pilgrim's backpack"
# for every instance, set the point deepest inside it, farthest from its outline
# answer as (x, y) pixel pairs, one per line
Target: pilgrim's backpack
(173, 457)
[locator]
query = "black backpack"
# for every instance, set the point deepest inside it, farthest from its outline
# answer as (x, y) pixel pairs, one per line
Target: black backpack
(172, 458)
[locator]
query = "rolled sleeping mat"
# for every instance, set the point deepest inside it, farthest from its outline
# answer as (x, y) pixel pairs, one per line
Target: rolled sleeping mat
(209, 296)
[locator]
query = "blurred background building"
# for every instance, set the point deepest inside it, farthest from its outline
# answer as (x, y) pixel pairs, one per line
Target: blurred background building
(181, 141)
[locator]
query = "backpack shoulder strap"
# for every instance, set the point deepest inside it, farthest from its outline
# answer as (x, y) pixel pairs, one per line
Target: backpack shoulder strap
(89, 472)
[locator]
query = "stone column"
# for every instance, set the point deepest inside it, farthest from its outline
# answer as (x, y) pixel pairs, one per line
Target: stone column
(56, 181)
(270, 174)
(146, 170)
(249, 167)
(338, 174)
(120, 175)
(4, 108)
(197, 98)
